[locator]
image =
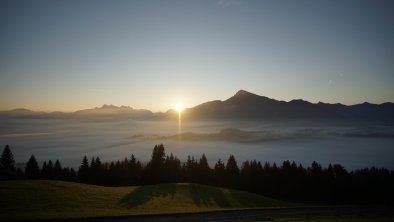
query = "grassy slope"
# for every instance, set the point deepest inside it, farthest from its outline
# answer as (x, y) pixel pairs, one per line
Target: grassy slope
(57, 199)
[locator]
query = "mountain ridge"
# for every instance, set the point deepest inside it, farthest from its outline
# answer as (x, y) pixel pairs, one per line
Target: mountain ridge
(243, 105)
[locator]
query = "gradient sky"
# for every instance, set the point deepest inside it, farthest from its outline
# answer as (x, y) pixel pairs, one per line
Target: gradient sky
(69, 55)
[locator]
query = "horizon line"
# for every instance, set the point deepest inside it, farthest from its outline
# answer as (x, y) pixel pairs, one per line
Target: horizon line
(166, 110)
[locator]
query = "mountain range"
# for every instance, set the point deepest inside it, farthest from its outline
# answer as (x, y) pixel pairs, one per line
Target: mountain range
(248, 106)
(242, 106)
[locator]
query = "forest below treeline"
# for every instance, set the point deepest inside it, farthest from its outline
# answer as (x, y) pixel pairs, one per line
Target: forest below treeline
(289, 181)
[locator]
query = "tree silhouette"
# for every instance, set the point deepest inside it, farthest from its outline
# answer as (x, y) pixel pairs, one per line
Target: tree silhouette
(158, 155)
(7, 164)
(172, 168)
(57, 170)
(135, 171)
(153, 172)
(245, 175)
(203, 170)
(47, 170)
(232, 173)
(190, 170)
(7, 159)
(32, 171)
(83, 172)
(96, 171)
(219, 173)
(290, 181)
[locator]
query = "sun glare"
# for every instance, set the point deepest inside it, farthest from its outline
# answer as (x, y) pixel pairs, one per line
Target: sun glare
(179, 107)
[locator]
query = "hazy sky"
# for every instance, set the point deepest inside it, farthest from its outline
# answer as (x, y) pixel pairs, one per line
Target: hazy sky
(68, 55)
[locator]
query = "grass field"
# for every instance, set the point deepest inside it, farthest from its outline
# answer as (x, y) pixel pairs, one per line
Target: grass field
(56, 199)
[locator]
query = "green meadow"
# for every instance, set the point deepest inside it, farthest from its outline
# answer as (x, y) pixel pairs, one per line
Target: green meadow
(42, 199)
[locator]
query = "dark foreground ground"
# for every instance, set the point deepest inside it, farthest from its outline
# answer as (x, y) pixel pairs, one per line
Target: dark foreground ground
(258, 215)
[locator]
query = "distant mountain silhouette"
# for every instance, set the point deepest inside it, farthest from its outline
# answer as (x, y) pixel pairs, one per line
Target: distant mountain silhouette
(248, 106)
(106, 112)
(15, 113)
(242, 106)
(111, 111)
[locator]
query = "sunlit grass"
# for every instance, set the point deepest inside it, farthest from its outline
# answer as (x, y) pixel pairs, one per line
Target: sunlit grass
(56, 199)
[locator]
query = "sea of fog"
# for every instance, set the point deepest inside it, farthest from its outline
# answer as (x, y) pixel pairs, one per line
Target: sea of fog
(352, 145)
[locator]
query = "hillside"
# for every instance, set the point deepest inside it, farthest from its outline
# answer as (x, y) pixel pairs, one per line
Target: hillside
(56, 199)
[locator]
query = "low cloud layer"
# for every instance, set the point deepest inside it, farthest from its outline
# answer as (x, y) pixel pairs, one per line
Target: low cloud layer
(242, 136)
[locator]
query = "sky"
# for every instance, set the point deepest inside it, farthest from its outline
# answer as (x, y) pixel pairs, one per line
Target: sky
(70, 55)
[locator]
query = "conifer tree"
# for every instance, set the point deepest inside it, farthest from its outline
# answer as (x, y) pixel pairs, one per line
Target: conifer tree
(232, 173)
(83, 171)
(32, 171)
(7, 164)
(7, 161)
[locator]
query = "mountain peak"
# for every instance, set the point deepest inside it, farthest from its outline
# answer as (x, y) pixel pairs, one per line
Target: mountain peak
(105, 106)
(22, 110)
(244, 93)
(245, 96)
(300, 101)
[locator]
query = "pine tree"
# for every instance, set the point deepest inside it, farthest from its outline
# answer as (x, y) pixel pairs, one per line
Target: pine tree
(154, 171)
(203, 171)
(7, 165)
(191, 169)
(219, 174)
(32, 171)
(7, 161)
(83, 172)
(48, 171)
(232, 173)
(135, 169)
(172, 169)
(57, 171)
(96, 171)
(246, 171)
(158, 155)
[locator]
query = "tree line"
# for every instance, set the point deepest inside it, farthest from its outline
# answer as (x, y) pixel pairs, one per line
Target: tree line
(289, 181)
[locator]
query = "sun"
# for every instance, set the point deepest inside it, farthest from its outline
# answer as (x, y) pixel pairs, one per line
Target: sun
(179, 107)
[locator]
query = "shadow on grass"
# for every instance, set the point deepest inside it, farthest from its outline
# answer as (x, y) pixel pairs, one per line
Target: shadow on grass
(206, 196)
(246, 200)
(143, 194)
(254, 200)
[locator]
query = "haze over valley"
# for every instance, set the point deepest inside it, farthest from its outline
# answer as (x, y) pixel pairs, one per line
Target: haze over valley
(302, 131)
